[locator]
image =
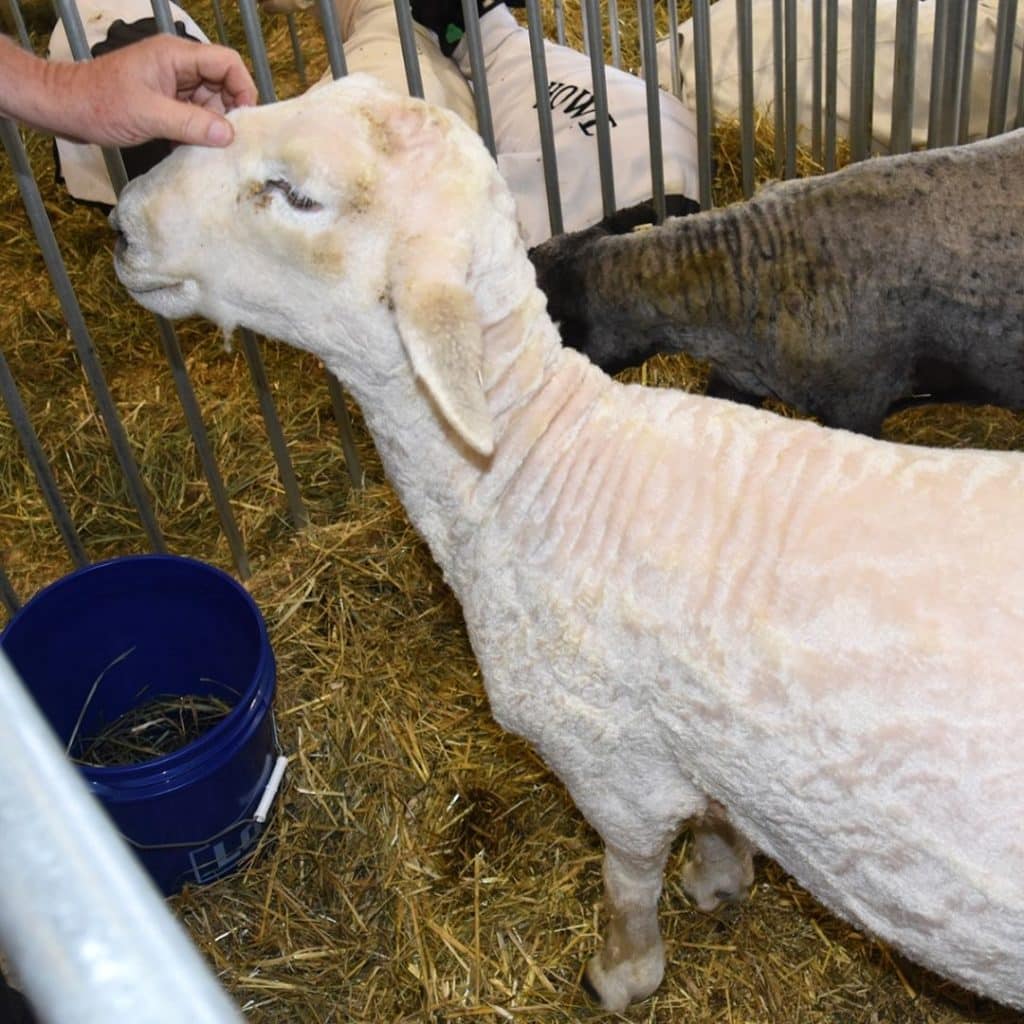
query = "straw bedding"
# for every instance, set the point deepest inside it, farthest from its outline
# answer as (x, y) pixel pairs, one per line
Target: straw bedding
(420, 866)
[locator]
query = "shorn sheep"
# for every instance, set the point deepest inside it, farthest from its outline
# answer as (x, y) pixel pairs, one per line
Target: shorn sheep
(790, 636)
(840, 294)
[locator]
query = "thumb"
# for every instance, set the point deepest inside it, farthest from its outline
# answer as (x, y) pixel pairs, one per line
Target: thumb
(194, 125)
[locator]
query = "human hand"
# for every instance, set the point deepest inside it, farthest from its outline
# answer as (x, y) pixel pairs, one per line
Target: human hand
(160, 88)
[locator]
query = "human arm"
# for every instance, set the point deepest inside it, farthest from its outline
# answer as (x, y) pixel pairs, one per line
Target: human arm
(164, 87)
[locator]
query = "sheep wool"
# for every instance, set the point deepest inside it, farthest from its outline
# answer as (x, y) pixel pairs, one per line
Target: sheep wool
(793, 637)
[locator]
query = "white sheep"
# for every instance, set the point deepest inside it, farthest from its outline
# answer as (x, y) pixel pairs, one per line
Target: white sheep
(841, 294)
(725, 76)
(684, 604)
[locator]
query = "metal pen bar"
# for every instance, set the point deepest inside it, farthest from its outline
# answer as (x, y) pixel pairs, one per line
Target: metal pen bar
(653, 92)
(296, 43)
(1002, 62)
(332, 37)
(348, 444)
(201, 440)
(407, 41)
(966, 71)
(831, 81)
(952, 64)
(870, 32)
(163, 16)
(275, 432)
(779, 84)
(7, 593)
(40, 464)
(541, 91)
(858, 97)
(560, 22)
(789, 12)
(705, 115)
(481, 96)
(937, 85)
(903, 76)
(817, 64)
(1019, 120)
(218, 18)
(79, 332)
(82, 924)
(745, 57)
(614, 33)
(673, 50)
(257, 50)
(19, 24)
(600, 90)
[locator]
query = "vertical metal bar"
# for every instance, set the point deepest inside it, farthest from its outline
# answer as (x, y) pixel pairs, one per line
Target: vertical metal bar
(705, 116)
(831, 81)
(952, 71)
(648, 43)
(348, 444)
(790, 91)
(201, 440)
(903, 76)
(84, 927)
(257, 51)
(274, 430)
(535, 29)
(560, 22)
(407, 40)
(79, 332)
(779, 84)
(600, 90)
(162, 15)
(300, 61)
(1019, 119)
(817, 64)
(39, 463)
(1002, 62)
(937, 88)
(332, 37)
(616, 35)
(673, 52)
(966, 70)
(745, 58)
(218, 18)
(858, 96)
(19, 24)
(481, 95)
(7, 593)
(869, 73)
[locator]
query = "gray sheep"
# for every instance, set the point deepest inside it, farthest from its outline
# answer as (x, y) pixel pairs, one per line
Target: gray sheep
(840, 294)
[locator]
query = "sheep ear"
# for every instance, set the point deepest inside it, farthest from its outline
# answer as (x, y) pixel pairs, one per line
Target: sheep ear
(440, 328)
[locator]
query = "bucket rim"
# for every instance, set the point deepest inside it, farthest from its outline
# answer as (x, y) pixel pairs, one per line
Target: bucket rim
(178, 767)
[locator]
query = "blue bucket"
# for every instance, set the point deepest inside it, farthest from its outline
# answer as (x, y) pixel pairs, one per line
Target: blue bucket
(112, 637)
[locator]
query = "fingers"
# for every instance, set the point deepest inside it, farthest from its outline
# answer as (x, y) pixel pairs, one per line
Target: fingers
(218, 68)
(189, 123)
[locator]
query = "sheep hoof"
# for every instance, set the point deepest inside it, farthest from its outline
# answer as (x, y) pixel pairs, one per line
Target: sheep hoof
(627, 982)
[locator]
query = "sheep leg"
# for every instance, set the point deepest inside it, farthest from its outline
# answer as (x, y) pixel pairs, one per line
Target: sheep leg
(631, 962)
(720, 868)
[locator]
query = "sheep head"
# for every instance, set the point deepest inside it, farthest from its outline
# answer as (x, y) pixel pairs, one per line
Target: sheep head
(343, 222)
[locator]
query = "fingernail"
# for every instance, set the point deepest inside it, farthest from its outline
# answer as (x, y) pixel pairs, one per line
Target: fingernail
(219, 133)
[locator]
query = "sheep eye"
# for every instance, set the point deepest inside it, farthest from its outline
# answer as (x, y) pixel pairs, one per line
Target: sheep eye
(295, 199)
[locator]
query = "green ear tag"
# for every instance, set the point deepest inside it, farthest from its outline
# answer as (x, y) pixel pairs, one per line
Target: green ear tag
(452, 34)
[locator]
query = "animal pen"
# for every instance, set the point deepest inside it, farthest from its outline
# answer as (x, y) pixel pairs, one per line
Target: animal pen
(420, 864)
